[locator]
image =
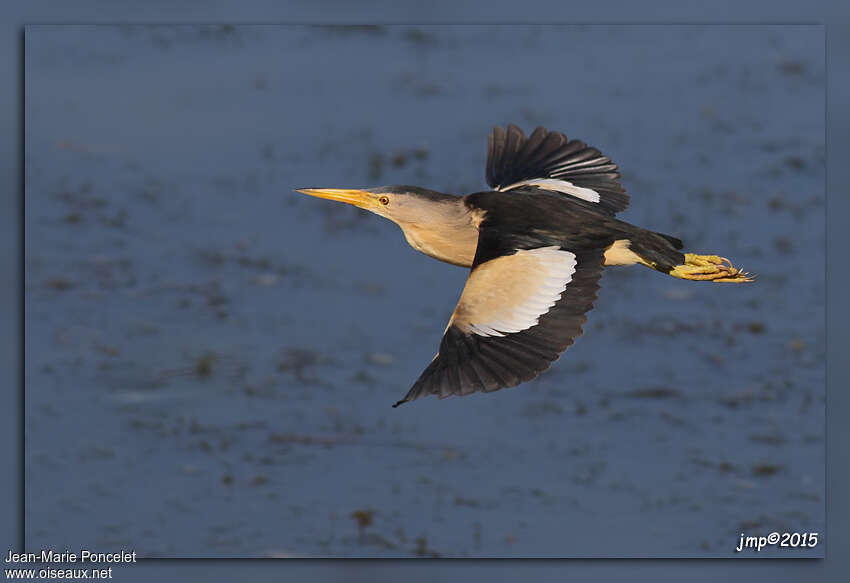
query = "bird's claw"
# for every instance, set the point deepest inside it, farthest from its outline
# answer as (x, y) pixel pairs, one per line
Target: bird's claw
(710, 268)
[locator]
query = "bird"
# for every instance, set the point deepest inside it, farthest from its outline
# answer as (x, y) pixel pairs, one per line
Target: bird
(535, 245)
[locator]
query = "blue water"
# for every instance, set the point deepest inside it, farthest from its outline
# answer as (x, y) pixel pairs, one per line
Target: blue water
(211, 357)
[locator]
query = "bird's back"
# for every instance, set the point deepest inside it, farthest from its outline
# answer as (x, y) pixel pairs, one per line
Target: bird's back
(530, 217)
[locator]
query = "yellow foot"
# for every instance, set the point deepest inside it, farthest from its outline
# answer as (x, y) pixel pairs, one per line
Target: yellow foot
(710, 268)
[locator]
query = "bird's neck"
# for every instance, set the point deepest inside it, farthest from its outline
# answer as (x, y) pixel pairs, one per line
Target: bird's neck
(451, 235)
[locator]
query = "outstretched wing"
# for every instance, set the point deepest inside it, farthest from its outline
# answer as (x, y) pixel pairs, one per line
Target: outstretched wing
(550, 161)
(516, 314)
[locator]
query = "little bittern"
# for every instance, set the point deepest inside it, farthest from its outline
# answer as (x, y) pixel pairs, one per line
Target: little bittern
(535, 245)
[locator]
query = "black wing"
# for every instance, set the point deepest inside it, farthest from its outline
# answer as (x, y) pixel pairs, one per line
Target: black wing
(483, 349)
(546, 158)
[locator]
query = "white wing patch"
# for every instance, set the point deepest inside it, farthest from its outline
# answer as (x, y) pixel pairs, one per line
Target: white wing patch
(511, 293)
(558, 185)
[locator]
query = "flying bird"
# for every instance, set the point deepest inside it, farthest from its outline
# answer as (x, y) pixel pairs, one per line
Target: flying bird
(536, 244)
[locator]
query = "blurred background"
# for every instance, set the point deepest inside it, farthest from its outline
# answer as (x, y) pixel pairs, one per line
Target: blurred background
(211, 357)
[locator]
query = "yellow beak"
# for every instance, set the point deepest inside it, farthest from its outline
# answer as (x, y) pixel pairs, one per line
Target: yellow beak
(353, 196)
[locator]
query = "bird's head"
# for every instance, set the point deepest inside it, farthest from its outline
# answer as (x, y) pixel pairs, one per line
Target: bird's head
(403, 205)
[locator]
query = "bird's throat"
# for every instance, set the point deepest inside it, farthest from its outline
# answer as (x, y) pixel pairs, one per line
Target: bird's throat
(452, 239)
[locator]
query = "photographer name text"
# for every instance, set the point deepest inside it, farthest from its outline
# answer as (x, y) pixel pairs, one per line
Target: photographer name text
(84, 556)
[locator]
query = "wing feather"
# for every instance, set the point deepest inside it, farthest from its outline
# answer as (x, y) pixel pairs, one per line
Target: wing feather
(514, 160)
(471, 361)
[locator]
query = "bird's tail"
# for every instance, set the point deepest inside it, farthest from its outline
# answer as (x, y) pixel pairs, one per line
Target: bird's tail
(661, 252)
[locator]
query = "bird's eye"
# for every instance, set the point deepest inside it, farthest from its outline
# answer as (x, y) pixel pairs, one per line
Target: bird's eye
(384, 200)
